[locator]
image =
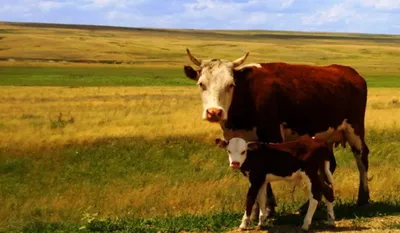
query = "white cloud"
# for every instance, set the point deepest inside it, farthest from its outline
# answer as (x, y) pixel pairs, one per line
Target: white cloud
(111, 3)
(49, 5)
(338, 12)
(382, 4)
(286, 3)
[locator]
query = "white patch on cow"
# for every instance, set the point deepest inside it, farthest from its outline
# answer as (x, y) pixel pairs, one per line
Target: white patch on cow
(249, 65)
(237, 150)
(328, 172)
(245, 221)
(296, 177)
(312, 206)
(353, 139)
(262, 201)
(216, 86)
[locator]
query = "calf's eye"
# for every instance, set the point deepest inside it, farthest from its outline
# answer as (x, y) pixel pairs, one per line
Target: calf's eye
(243, 152)
(202, 86)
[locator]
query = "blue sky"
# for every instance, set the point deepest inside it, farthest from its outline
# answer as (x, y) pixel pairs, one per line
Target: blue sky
(365, 16)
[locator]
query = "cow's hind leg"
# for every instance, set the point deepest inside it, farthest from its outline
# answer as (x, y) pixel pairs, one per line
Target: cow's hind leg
(362, 165)
(355, 137)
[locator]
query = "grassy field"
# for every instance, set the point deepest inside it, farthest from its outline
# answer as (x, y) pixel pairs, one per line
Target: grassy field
(86, 143)
(128, 153)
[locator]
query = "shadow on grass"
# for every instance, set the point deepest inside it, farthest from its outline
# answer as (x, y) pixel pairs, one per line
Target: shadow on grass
(229, 222)
(344, 211)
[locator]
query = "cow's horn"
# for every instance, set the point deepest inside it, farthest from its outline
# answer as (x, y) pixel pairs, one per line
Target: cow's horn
(240, 61)
(196, 61)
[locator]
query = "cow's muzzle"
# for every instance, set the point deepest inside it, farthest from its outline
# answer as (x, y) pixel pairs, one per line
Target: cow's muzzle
(214, 114)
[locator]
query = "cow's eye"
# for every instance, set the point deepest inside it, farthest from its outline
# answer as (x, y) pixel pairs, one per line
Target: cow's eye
(231, 86)
(202, 86)
(243, 152)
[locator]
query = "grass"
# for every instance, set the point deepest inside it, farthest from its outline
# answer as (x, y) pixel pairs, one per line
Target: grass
(101, 76)
(143, 155)
(101, 132)
(61, 46)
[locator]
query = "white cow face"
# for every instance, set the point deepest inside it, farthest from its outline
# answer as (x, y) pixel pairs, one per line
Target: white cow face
(216, 83)
(237, 150)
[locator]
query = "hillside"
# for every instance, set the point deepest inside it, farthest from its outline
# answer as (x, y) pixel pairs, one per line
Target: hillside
(87, 44)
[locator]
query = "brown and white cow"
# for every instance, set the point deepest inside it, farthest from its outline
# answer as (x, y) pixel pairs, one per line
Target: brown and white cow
(306, 159)
(308, 98)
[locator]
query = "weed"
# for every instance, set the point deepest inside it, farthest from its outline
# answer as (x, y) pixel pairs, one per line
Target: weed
(61, 122)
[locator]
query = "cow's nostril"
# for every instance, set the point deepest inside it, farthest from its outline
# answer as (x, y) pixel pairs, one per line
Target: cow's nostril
(219, 113)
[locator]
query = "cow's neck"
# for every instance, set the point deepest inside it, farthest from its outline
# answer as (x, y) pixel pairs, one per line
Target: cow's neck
(242, 112)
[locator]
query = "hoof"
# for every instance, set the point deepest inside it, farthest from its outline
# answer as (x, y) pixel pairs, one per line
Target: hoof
(270, 212)
(305, 228)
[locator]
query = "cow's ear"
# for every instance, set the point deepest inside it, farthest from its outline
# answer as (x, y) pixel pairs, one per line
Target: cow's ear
(221, 142)
(191, 73)
(253, 145)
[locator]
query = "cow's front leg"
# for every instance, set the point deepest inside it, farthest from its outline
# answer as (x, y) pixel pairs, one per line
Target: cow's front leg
(255, 185)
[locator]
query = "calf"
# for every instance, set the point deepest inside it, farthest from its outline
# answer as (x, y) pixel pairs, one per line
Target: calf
(306, 159)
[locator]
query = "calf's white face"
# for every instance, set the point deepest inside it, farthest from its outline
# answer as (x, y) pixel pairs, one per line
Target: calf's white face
(216, 82)
(237, 150)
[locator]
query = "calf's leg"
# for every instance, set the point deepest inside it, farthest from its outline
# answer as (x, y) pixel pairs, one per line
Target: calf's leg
(332, 168)
(315, 195)
(255, 185)
(262, 204)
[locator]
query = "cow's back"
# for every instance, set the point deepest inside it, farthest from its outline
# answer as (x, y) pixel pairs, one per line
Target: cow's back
(308, 98)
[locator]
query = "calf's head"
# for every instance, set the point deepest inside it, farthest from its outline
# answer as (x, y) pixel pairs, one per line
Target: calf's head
(237, 150)
(216, 83)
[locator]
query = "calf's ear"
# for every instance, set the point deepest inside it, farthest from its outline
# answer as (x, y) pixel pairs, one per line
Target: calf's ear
(221, 142)
(253, 145)
(190, 73)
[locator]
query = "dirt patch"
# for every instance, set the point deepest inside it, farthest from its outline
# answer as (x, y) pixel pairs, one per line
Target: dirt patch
(376, 225)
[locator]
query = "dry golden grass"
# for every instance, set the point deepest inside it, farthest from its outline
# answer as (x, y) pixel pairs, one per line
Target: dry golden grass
(29, 123)
(107, 112)
(369, 54)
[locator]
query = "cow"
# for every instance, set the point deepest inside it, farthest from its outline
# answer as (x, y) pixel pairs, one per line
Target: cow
(305, 158)
(258, 98)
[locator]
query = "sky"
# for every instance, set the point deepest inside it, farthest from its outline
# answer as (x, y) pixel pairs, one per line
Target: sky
(360, 16)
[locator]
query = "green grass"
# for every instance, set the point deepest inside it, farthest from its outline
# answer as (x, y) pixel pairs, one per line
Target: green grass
(34, 184)
(122, 76)
(104, 76)
(214, 222)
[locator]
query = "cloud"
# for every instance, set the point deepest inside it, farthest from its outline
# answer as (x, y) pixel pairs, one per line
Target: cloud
(47, 6)
(111, 3)
(382, 4)
(300, 15)
(335, 13)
